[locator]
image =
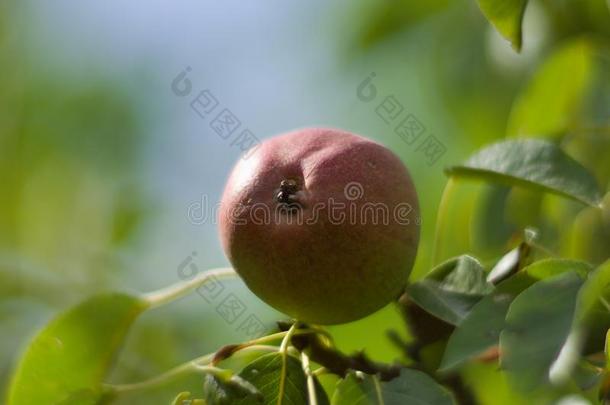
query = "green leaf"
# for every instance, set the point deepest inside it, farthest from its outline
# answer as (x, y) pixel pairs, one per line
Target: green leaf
(507, 17)
(411, 387)
(490, 228)
(463, 274)
(449, 306)
(590, 234)
(595, 294)
(266, 373)
(538, 324)
(592, 318)
(480, 330)
(531, 163)
(548, 268)
(553, 97)
(74, 351)
(566, 360)
(451, 289)
(84, 397)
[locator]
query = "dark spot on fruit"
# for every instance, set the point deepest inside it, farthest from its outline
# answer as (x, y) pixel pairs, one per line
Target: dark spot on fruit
(286, 194)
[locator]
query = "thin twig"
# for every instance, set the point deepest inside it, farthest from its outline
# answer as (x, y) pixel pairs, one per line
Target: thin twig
(179, 290)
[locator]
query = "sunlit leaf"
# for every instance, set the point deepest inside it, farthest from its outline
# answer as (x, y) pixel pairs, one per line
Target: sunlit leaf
(595, 294)
(507, 17)
(266, 374)
(84, 397)
(451, 289)
(411, 387)
(73, 353)
(184, 398)
(490, 227)
(593, 307)
(509, 264)
(590, 235)
(538, 324)
(524, 206)
(566, 362)
(226, 391)
(554, 95)
(19, 317)
(531, 163)
(548, 268)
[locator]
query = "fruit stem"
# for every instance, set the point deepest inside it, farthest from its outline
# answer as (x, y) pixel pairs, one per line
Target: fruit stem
(440, 220)
(311, 384)
(284, 354)
(166, 295)
(287, 337)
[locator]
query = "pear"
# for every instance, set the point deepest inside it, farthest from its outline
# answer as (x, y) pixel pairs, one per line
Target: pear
(321, 224)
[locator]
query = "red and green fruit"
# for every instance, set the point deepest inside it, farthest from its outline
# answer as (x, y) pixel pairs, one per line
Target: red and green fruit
(321, 224)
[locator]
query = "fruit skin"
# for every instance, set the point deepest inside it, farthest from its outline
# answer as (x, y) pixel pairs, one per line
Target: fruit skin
(303, 260)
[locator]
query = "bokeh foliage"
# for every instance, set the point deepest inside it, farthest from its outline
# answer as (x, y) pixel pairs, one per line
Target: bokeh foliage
(68, 148)
(69, 204)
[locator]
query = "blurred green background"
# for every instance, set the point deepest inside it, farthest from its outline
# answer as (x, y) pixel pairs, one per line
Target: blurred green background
(101, 163)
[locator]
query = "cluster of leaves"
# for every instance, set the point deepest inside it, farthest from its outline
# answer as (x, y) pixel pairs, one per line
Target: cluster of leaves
(545, 322)
(541, 313)
(69, 359)
(543, 318)
(524, 309)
